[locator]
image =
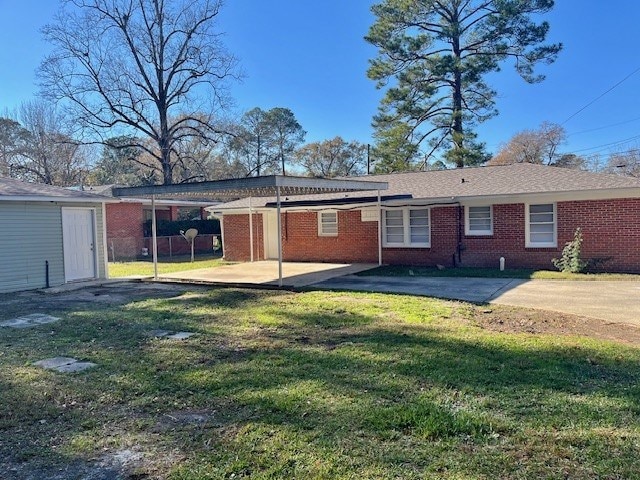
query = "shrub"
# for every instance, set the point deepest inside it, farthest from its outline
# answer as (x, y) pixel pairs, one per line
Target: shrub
(570, 261)
(168, 227)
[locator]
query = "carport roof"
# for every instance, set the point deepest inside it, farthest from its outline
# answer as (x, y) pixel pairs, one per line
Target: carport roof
(266, 186)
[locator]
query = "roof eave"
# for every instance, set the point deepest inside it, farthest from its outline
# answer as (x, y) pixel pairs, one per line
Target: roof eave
(45, 198)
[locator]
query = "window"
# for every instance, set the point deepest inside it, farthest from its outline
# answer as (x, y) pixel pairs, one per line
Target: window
(541, 225)
(407, 227)
(328, 223)
(479, 220)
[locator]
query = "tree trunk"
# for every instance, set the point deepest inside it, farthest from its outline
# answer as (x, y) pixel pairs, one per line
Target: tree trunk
(458, 131)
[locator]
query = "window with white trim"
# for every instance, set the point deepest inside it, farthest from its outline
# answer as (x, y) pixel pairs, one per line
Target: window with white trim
(407, 227)
(541, 225)
(328, 223)
(479, 220)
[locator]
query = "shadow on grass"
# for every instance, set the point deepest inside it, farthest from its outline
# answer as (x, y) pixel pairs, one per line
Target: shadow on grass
(320, 379)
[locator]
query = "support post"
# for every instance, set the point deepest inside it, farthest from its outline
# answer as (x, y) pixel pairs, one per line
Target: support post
(154, 237)
(379, 230)
(279, 222)
(251, 228)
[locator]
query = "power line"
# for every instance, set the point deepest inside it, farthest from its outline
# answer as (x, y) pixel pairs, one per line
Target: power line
(604, 127)
(602, 95)
(619, 142)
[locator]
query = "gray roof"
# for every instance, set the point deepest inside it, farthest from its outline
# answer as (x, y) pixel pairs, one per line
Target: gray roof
(17, 189)
(503, 180)
(265, 186)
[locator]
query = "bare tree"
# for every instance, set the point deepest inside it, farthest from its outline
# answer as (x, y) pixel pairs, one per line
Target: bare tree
(42, 148)
(625, 163)
(13, 141)
(140, 68)
(534, 146)
(333, 158)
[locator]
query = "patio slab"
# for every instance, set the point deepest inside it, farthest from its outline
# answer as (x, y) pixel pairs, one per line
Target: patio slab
(294, 274)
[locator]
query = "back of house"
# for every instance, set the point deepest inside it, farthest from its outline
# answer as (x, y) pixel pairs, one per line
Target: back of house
(464, 217)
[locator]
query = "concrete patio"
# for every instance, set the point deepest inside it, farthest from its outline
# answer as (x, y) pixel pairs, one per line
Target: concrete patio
(294, 274)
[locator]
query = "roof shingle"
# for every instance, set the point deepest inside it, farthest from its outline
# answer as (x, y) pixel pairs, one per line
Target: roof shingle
(503, 180)
(10, 187)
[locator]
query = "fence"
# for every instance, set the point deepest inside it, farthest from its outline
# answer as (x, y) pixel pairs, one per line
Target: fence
(129, 248)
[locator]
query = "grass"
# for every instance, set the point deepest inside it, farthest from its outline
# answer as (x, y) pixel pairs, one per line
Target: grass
(165, 265)
(526, 273)
(319, 385)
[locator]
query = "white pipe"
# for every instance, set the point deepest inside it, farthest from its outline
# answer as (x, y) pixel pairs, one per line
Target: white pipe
(502, 264)
(154, 237)
(251, 228)
(379, 230)
(279, 237)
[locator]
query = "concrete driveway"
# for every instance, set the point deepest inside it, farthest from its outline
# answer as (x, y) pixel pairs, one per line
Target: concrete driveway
(607, 300)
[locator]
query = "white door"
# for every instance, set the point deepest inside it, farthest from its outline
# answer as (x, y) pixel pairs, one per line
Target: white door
(78, 240)
(270, 222)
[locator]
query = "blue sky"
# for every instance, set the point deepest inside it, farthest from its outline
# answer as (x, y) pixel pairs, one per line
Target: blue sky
(311, 58)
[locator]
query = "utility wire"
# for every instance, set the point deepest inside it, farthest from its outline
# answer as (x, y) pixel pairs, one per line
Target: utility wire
(602, 95)
(604, 127)
(619, 142)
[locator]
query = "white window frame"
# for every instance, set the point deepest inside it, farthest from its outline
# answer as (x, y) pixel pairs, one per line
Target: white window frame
(321, 224)
(467, 224)
(527, 215)
(406, 215)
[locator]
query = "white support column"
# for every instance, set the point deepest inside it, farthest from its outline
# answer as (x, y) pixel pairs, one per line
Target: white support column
(154, 237)
(251, 228)
(379, 230)
(279, 237)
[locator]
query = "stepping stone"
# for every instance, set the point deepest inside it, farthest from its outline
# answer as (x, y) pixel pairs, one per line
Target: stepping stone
(181, 335)
(28, 321)
(75, 367)
(55, 362)
(64, 364)
(158, 333)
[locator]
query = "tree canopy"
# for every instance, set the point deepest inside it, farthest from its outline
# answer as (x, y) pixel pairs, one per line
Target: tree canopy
(265, 139)
(333, 158)
(434, 57)
(140, 69)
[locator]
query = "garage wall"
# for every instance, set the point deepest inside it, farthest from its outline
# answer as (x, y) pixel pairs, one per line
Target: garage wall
(30, 234)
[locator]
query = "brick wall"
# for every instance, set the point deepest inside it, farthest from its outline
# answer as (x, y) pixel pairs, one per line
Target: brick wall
(611, 232)
(356, 240)
(236, 238)
(124, 230)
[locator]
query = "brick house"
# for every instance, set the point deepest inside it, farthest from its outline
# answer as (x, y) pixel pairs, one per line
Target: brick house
(125, 222)
(463, 217)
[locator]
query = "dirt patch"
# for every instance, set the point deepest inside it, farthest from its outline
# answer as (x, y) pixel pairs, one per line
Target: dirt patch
(521, 320)
(37, 301)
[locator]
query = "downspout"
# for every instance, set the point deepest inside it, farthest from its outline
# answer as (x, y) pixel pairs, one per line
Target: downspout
(460, 246)
(379, 230)
(279, 238)
(250, 229)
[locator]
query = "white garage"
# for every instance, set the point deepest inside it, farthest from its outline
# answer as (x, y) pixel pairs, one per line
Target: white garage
(49, 236)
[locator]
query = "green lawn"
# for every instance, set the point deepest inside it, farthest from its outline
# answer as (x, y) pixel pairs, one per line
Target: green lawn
(165, 265)
(319, 385)
(400, 271)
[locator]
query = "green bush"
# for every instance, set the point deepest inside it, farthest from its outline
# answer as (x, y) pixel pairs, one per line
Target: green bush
(570, 261)
(167, 228)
